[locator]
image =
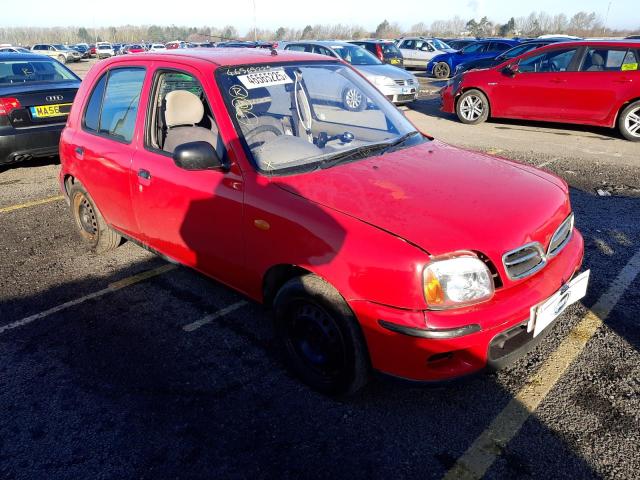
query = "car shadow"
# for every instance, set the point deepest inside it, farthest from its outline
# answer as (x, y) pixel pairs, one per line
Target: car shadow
(115, 387)
(34, 162)
(431, 107)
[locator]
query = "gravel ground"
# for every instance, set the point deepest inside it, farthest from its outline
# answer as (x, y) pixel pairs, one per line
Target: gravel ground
(115, 387)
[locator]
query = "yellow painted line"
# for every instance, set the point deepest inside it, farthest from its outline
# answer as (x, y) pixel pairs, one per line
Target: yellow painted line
(33, 203)
(113, 287)
(477, 460)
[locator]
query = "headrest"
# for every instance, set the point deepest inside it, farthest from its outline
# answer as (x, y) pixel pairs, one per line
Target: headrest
(597, 59)
(182, 108)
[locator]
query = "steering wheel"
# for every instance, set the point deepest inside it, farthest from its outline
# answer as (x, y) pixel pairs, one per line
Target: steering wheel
(261, 129)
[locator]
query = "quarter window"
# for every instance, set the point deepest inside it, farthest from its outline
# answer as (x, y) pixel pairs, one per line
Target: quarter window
(115, 99)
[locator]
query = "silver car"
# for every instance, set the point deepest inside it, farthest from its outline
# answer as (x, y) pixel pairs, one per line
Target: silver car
(417, 51)
(396, 84)
(60, 52)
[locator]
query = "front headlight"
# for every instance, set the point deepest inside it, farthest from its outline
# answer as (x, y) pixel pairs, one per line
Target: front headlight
(384, 81)
(457, 280)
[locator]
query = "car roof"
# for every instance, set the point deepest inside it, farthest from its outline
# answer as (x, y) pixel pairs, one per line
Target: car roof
(8, 56)
(226, 56)
(600, 43)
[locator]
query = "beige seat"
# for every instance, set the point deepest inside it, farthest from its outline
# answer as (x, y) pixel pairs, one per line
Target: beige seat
(183, 112)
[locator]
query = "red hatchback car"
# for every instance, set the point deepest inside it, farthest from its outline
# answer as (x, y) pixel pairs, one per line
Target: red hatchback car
(378, 247)
(587, 82)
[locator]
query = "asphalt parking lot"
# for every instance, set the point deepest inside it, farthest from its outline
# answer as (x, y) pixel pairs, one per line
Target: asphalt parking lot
(124, 366)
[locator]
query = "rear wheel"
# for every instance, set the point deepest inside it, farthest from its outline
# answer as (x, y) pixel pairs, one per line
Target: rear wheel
(92, 228)
(321, 337)
(441, 70)
(472, 107)
(629, 122)
(62, 59)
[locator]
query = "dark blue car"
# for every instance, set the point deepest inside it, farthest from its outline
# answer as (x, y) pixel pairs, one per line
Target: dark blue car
(441, 66)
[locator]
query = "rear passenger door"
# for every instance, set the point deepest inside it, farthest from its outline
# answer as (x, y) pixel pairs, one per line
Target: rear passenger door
(607, 79)
(409, 52)
(194, 217)
(103, 144)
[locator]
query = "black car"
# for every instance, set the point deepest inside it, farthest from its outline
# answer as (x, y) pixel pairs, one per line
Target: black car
(632, 37)
(36, 93)
(82, 49)
(386, 51)
(504, 56)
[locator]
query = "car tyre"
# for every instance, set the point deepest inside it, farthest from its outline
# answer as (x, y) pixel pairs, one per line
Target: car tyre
(90, 224)
(353, 99)
(472, 107)
(322, 341)
(629, 122)
(62, 59)
(441, 70)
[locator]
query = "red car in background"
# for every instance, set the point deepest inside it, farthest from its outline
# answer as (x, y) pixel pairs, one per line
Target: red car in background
(378, 247)
(586, 82)
(134, 48)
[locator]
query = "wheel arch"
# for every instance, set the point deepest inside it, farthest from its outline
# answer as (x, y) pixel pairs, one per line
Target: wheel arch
(618, 112)
(463, 90)
(276, 276)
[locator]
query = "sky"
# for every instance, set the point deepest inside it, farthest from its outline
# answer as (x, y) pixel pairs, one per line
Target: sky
(272, 14)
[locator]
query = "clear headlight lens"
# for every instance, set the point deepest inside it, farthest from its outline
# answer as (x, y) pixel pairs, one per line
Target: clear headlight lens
(457, 280)
(382, 80)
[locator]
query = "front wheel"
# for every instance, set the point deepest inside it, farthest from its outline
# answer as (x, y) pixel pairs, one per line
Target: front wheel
(629, 122)
(472, 107)
(321, 338)
(90, 224)
(62, 59)
(441, 70)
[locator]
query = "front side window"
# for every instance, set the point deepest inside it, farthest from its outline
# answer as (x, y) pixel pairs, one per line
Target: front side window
(116, 103)
(307, 115)
(474, 48)
(180, 113)
(550, 61)
(499, 47)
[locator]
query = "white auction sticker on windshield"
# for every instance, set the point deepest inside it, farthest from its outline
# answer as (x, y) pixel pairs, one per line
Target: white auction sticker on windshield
(266, 78)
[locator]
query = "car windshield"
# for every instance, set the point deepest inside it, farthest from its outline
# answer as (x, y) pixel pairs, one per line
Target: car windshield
(519, 50)
(104, 47)
(295, 116)
(355, 55)
(31, 71)
(439, 44)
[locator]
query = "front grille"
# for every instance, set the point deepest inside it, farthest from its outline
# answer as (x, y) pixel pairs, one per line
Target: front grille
(561, 237)
(524, 261)
(404, 82)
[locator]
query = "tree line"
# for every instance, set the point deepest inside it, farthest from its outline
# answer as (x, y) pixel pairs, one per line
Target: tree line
(584, 24)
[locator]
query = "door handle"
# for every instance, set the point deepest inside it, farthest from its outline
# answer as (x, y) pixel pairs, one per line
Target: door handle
(144, 174)
(624, 80)
(79, 153)
(558, 80)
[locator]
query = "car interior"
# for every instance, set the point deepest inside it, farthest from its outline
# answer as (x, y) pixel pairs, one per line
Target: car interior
(22, 72)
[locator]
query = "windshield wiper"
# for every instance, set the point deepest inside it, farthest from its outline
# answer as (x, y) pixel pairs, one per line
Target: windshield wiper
(360, 152)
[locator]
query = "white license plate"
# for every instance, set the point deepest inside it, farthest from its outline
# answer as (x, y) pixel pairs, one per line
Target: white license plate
(546, 312)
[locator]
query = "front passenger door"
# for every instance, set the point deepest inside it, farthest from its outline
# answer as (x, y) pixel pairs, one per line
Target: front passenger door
(194, 217)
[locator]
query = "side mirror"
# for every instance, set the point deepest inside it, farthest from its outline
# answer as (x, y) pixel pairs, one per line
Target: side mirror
(511, 70)
(198, 156)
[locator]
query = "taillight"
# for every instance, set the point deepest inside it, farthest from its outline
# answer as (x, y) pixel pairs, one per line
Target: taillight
(379, 52)
(7, 105)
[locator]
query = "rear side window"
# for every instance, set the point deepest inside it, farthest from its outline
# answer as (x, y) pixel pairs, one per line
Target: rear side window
(609, 60)
(408, 44)
(297, 48)
(390, 50)
(499, 47)
(113, 106)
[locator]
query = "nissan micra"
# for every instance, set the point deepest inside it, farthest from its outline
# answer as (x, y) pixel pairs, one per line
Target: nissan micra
(377, 247)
